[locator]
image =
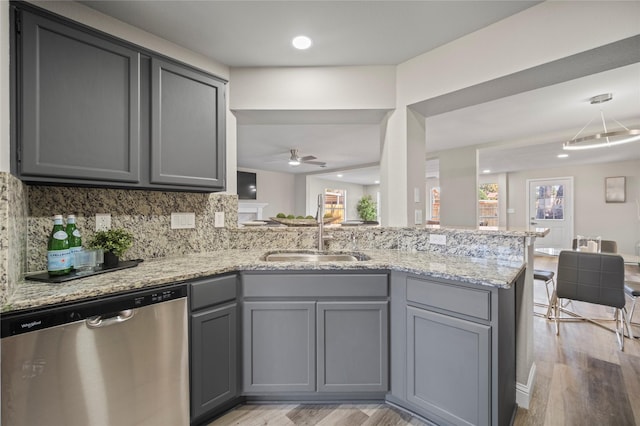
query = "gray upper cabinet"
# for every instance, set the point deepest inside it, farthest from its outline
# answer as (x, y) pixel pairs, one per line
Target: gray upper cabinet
(80, 106)
(93, 110)
(187, 139)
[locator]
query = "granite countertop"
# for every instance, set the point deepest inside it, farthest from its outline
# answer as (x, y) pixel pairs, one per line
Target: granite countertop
(156, 272)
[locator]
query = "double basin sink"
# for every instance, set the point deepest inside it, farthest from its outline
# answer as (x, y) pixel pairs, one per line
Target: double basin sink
(306, 256)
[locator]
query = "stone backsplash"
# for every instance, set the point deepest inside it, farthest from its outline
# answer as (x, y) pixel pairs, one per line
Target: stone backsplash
(13, 233)
(467, 243)
(146, 214)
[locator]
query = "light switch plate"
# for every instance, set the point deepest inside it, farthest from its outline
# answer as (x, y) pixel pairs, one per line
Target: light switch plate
(103, 221)
(183, 220)
(438, 239)
(418, 217)
(218, 220)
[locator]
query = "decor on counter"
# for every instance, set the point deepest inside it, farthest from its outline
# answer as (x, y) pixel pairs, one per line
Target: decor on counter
(301, 221)
(615, 189)
(367, 209)
(115, 242)
(607, 137)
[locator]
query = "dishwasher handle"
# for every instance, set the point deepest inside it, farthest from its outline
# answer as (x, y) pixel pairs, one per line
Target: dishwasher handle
(100, 321)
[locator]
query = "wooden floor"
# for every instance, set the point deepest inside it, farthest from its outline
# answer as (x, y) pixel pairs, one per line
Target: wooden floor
(582, 379)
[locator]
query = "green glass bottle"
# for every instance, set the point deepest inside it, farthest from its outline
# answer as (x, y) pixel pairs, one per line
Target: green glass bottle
(58, 254)
(75, 239)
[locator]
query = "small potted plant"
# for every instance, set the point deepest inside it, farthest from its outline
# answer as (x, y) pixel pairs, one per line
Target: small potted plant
(367, 209)
(114, 242)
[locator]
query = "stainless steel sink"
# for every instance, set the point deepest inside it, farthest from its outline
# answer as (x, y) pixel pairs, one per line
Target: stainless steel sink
(314, 257)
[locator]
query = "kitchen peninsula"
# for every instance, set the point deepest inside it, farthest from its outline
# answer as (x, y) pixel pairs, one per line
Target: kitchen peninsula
(407, 293)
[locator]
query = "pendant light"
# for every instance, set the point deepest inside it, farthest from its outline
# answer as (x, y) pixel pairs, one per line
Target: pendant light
(605, 138)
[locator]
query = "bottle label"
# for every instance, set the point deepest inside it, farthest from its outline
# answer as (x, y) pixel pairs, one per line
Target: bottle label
(76, 233)
(58, 260)
(60, 235)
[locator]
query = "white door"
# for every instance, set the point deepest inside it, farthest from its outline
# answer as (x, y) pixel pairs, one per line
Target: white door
(551, 206)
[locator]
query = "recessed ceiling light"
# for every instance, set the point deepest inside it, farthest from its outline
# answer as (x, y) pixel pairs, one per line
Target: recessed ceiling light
(563, 155)
(339, 175)
(376, 182)
(486, 171)
(301, 42)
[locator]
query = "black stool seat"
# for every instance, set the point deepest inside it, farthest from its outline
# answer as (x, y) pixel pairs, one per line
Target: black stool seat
(632, 288)
(540, 274)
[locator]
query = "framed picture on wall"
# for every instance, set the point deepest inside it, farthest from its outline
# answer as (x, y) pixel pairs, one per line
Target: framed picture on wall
(615, 189)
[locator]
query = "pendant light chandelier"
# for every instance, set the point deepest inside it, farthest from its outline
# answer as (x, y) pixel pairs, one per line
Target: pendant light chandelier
(605, 138)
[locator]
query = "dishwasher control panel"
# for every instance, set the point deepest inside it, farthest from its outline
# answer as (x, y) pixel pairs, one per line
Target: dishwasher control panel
(25, 322)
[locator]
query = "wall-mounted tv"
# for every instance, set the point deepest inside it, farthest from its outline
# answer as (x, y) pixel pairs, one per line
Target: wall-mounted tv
(247, 186)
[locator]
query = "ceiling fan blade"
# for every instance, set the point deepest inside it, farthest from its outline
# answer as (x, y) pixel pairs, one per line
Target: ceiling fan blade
(317, 163)
(308, 158)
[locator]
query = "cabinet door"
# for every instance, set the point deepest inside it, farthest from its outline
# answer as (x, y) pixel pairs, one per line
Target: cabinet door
(188, 136)
(352, 346)
(79, 105)
(213, 358)
(279, 346)
(448, 367)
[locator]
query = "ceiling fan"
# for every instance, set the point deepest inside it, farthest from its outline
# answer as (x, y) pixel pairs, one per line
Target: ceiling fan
(296, 160)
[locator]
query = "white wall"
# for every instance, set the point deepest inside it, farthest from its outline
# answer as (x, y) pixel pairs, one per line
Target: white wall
(543, 33)
(593, 216)
(317, 186)
(458, 187)
(276, 189)
(311, 88)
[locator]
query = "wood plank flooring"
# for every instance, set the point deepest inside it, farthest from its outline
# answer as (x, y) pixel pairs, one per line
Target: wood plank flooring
(582, 379)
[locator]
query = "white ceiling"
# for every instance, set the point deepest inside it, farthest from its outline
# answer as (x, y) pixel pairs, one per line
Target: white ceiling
(258, 33)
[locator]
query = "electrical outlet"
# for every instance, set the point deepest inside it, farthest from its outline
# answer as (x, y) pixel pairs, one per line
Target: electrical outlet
(183, 220)
(438, 239)
(103, 221)
(218, 220)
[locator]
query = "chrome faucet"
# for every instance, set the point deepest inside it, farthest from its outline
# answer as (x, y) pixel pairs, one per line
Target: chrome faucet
(320, 218)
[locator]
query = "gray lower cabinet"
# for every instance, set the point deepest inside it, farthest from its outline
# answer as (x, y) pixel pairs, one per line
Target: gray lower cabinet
(279, 346)
(453, 350)
(448, 365)
(214, 346)
(325, 334)
(352, 346)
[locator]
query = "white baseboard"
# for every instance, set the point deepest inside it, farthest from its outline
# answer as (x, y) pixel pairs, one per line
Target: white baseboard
(524, 391)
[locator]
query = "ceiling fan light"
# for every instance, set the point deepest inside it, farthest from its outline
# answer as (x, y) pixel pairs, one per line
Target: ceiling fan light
(606, 138)
(294, 162)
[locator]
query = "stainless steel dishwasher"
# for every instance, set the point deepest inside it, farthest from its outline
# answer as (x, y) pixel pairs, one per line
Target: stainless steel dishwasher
(120, 360)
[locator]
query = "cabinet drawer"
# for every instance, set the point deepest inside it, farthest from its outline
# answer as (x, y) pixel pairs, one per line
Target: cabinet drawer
(212, 291)
(311, 285)
(449, 297)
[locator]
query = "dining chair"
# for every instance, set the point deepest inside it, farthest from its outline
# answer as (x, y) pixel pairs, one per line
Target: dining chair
(606, 246)
(593, 278)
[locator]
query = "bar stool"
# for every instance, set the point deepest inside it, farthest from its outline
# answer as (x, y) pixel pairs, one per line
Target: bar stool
(632, 289)
(547, 278)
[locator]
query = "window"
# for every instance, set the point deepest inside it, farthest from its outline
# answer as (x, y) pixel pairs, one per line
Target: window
(434, 202)
(549, 201)
(488, 204)
(335, 201)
